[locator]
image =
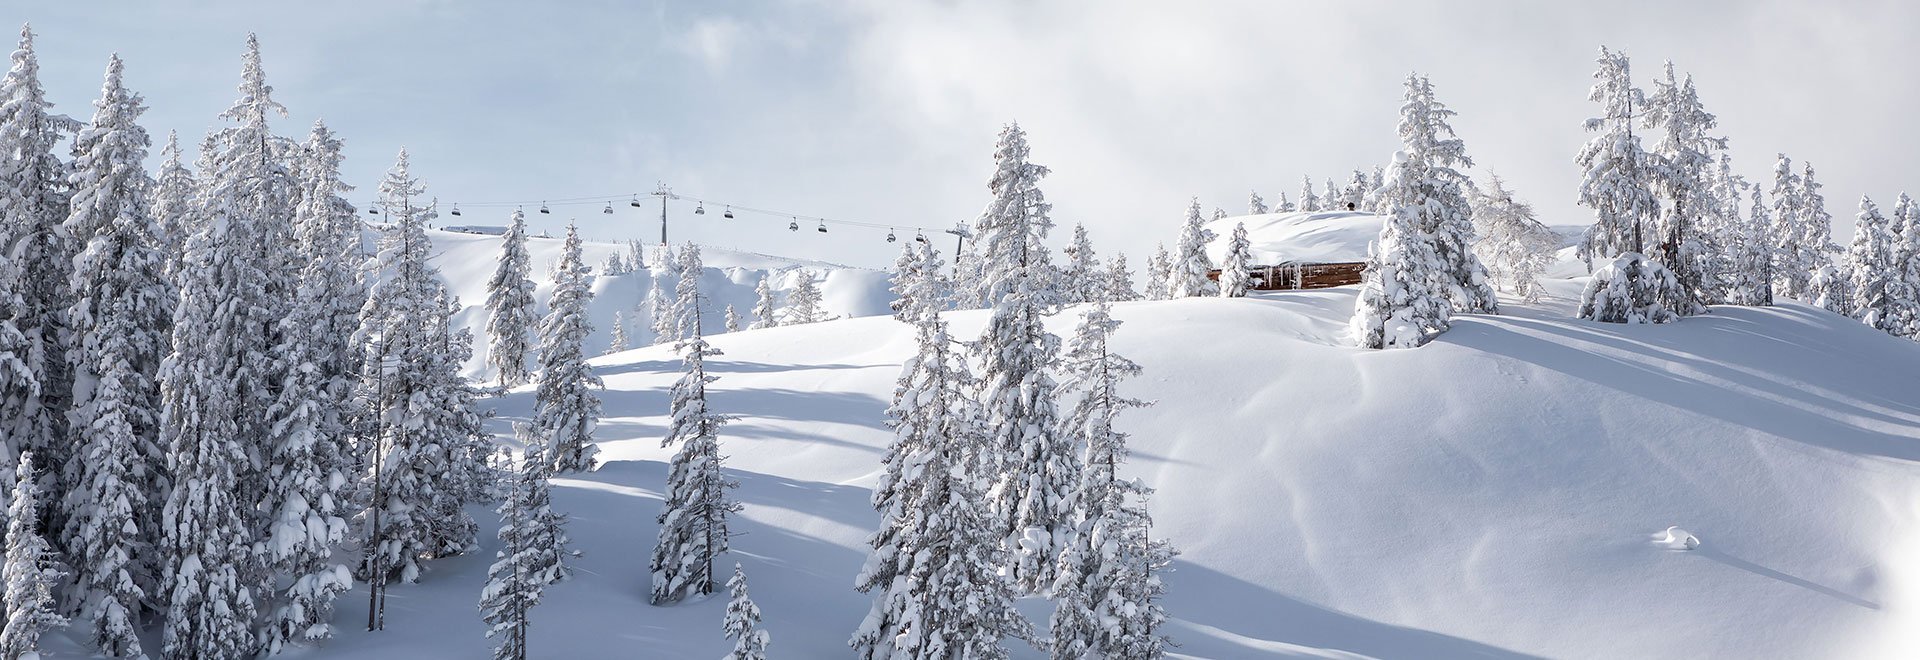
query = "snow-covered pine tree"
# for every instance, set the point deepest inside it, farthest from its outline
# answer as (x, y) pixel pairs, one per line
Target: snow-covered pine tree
(1330, 199)
(425, 450)
(1792, 263)
(1375, 182)
(1722, 234)
(460, 443)
(1618, 179)
(1120, 280)
(123, 308)
(1218, 213)
(1809, 249)
(1631, 289)
(916, 282)
(619, 341)
(1398, 306)
(660, 312)
(1284, 205)
(615, 265)
(171, 203)
(220, 386)
(1354, 195)
(1515, 246)
(1082, 279)
(1010, 235)
(511, 314)
(33, 204)
(763, 309)
(1236, 273)
(1187, 277)
(1874, 261)
(1104, 595)
(688, 304)
(1756, 282)
(533, 548)
(733, 319)
(743, 621)
(1309, 202)
(803, 302)
(693, 517)
(1034, 466)
(30, 572)
(1255, 205)
(1906, 223)
(1425, 179)
(310, 462)
(1683, 159)
(565, 409)
(935, 563)
(1159, 270)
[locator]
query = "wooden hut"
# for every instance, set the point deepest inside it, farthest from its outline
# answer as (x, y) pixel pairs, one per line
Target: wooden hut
(1301, 250)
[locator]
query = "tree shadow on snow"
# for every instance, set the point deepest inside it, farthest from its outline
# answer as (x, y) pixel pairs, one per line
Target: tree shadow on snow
(1259, 622)
(1714, 554)
(1788, 382)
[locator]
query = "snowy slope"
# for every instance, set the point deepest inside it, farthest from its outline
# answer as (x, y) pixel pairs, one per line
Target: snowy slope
(466, 261)
(1491, 495)
(1329, 237)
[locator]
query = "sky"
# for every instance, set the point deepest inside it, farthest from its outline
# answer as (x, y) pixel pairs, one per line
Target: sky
(886, 111)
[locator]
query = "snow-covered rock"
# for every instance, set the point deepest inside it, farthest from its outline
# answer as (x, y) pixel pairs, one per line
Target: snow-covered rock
(1676, 539)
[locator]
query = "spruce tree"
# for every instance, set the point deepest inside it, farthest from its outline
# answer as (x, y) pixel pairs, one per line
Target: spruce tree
(1119, 280)
(694, 516)
(1684, 158)
(533, 548)
(221, 384)
(511, 312)
(1255, 205)
(687, 302)
(743, 621)
(1515, 246)
(1284, 205)
(1105, 596)
(1617, 184)
(1010, 234)
(934, 568)
(1873, 260)
(803, 302)
(123, 307)
(171, 203)
(660, 314)
(425, 448)
(1082, 280)
(1309, 202)
(565, 409)
(1808, 248)
(1159, 270)
(1398, 306)
(1187, 276)
(33, 204)
(1793, 261)
(1236, 273)
(1757, 253)
(310, 462)
(30, 572)
(733, 319)
(1906, 258)
(1425, 179)
(763, 309)
(619, 341)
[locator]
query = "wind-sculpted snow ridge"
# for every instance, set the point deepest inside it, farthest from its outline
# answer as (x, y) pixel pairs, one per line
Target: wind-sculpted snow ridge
(1489, 495)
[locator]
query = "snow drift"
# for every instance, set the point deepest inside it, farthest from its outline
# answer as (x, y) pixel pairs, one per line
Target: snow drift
(1487, 496)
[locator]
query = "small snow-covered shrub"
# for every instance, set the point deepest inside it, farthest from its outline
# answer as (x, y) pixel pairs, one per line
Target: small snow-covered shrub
(1631, 289)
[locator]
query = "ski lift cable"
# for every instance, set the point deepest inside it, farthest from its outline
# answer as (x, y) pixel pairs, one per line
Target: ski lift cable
(610, 200)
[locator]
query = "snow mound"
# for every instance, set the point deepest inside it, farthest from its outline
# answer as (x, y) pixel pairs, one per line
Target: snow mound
(1676, 539)
(1485, 496)
(1321, 237)
(467, 260)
